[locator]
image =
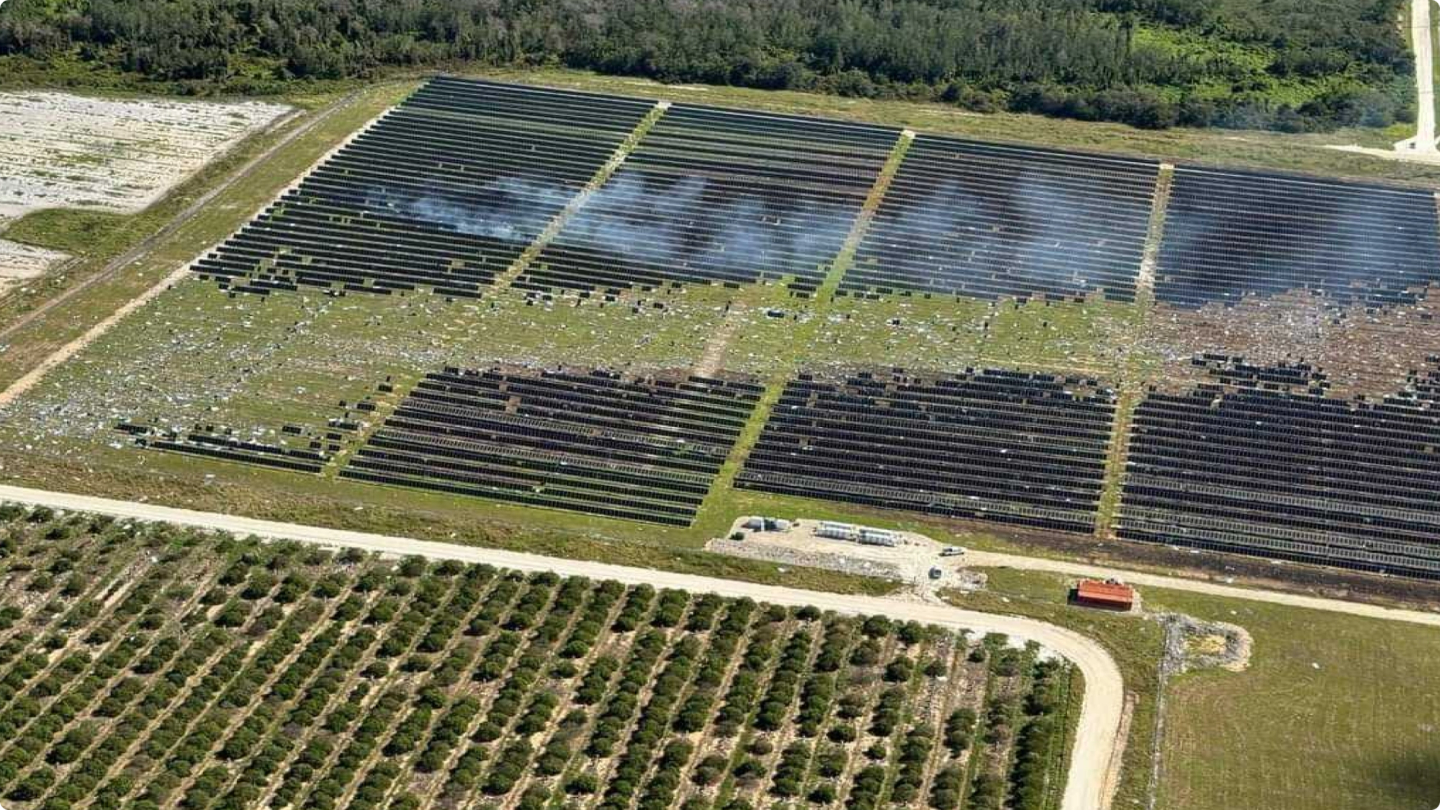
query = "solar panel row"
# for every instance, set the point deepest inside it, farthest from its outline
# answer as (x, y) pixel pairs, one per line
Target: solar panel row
(991, 444)
(597, 442)
(718, 196)
(443, 193)
(1265, 461)
(448, 189)
(991, 221)
(1232, 234)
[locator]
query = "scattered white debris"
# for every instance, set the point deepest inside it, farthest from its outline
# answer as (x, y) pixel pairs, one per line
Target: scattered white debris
(67, 151)
(22, 262)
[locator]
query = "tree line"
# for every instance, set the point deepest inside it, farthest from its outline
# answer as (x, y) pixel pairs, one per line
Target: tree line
(1286, 64)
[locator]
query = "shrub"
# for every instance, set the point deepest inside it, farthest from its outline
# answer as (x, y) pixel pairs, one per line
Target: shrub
(899, 670)
(709, 770)
(958, 728)
(582, 784)
(947, 787)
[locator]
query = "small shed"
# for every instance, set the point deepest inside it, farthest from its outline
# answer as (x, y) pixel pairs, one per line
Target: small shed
(1110, 595)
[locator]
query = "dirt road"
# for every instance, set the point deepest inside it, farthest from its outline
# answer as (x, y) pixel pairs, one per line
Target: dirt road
(1424, 140)
(982, 559)
(1098, 740)
(918, 553)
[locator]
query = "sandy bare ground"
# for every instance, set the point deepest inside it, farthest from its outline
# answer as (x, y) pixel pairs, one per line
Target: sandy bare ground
(1406, 154)
(713, 359)
(1099, 731)
(21, 262)
(64, 151)
(133, 255)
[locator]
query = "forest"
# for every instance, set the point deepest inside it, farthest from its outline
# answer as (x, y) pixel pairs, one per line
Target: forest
(1289, 65)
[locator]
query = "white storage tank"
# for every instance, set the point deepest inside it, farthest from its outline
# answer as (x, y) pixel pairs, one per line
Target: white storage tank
(838, 531)
(879, 537)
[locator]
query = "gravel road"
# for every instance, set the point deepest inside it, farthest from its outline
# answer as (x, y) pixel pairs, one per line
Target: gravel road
(1424, 140)
(983, 559)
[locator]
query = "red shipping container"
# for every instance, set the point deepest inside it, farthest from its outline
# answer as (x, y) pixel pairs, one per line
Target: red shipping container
(1105, 594)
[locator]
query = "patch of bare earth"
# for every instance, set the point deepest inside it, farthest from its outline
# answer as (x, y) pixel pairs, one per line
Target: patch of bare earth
(1368, 351)
(20, 263)
(65, 151)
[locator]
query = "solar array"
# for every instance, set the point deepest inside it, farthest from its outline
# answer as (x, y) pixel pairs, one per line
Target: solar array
(997, 445)
(598, 442)
(720, 196)
(450, 188)
(990, 221)
(1232, 234)
(212, 442)
(444, 192)
(1263, 461)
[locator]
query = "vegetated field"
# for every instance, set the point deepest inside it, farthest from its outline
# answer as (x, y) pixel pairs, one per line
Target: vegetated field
(1361, 692)
(147, 666)
(1330, 706)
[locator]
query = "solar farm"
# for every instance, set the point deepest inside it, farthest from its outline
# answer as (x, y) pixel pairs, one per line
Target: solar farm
(623, 314)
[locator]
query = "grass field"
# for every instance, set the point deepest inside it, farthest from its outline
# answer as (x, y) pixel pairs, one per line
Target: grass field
(1357, 700)
(1333, 711)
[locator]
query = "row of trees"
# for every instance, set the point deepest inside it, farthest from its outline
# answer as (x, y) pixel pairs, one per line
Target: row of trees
(442, 669)
(1148, 62)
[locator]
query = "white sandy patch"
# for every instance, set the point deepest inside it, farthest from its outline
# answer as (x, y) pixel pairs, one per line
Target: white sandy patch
(1415, 156)
(64, 151)
(20, 262)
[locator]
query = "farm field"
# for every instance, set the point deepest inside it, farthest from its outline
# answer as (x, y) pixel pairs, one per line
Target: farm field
(159, 667)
